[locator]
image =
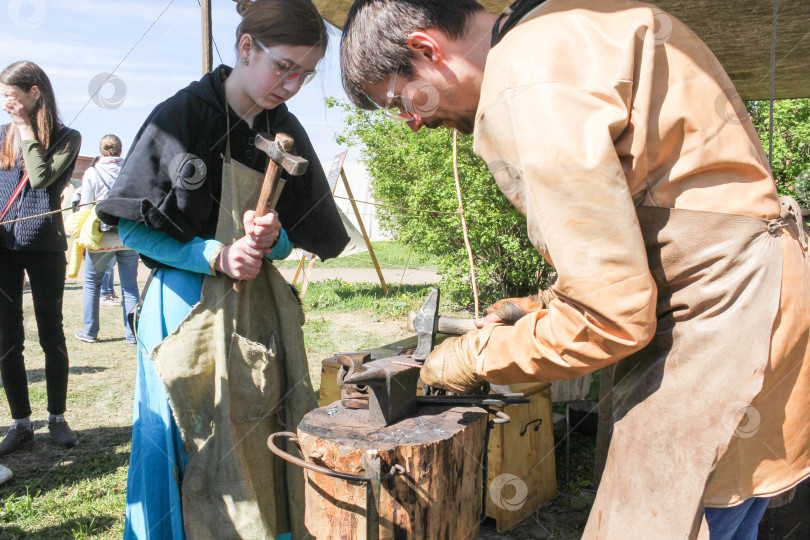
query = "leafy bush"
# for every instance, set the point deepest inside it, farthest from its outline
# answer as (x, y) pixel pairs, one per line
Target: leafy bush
(791, 144)
(414, 171)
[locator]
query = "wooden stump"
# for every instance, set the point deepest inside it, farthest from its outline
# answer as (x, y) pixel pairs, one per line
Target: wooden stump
(439, 495)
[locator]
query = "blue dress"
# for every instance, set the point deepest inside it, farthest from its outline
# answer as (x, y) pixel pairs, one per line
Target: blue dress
(157, 459)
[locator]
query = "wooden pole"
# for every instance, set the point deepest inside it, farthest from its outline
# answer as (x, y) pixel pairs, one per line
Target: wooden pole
(307, 276)
(464, 222)
(298, 270)
(207, 37)
(363, 231)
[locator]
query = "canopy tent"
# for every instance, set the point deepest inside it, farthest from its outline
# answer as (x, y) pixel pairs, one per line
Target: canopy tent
(738, 31)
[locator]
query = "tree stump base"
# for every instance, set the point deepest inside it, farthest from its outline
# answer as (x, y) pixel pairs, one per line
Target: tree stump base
(438, 496)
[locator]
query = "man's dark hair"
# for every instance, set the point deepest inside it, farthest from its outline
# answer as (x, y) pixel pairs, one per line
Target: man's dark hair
(375, 38)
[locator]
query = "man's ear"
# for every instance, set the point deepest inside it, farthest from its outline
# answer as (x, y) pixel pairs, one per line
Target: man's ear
(426, 46)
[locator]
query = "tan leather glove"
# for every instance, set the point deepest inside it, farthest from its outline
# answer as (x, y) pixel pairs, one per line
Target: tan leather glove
(453, 365)
(509, 310)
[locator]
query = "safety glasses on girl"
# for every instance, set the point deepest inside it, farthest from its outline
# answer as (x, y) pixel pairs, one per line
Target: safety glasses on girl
(285, 67)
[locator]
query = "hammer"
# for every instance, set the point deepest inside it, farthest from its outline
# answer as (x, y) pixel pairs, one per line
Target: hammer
(278, 150)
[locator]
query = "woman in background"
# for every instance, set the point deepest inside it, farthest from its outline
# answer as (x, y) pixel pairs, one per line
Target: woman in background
(37, 156)
(96, 185)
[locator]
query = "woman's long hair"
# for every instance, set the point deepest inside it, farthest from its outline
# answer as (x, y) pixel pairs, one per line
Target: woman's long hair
(44, 117)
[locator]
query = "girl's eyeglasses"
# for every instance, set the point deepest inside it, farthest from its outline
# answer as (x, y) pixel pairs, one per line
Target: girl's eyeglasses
(285, 69)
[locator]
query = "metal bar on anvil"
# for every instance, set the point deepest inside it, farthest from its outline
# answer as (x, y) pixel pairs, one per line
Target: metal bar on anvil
(492, 399)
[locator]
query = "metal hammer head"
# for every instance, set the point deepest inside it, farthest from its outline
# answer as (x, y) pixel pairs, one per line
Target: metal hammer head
(426, 325)
(278, 149)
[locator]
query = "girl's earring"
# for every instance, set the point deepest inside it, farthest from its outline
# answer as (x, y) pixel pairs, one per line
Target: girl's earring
(245, 61)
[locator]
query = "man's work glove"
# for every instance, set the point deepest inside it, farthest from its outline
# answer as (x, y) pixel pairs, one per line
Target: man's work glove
(453, 365)
(510, 310)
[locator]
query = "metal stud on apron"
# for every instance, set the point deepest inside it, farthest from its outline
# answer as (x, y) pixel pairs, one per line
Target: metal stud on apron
(235, 371)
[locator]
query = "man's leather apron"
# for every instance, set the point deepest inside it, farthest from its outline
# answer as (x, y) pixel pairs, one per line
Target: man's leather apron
(678, 403)
(235, 371)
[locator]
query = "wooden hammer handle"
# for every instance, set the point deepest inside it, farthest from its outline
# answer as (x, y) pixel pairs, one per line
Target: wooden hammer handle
(453, 326)
(267, 196)
(269, 186)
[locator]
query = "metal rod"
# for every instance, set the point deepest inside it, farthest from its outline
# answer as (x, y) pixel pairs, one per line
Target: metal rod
(396, 470)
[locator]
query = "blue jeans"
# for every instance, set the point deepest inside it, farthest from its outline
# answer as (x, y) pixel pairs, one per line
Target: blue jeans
(108, 282)
(739, 522)
(95, 266)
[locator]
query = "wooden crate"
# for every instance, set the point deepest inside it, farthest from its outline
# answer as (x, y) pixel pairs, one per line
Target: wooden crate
(520, 454)
(521, 458)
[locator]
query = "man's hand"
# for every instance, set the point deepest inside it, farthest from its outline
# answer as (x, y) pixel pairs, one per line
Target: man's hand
(240, 260)
(453, 365)
(510, 310)
(261, 232)
(490, 318)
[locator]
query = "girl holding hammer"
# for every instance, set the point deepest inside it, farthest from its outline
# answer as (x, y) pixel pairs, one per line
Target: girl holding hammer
(219, 370)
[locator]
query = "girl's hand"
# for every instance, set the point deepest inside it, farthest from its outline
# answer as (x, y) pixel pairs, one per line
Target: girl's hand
(261, 232)
(240, 260)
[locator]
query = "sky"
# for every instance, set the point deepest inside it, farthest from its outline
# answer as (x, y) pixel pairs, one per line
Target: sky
(153, 48)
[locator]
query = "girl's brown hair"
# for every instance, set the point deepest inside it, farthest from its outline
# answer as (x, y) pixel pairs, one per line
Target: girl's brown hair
(282, 22)
(44, 118)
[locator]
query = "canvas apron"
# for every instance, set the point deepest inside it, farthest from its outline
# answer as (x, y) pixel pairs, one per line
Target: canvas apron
(676, 403)
(235, 371)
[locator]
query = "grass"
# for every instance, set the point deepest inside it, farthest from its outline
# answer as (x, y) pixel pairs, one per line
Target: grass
(81, 492)
(389, 254)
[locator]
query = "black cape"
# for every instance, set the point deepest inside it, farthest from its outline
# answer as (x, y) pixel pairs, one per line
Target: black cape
(171, 179)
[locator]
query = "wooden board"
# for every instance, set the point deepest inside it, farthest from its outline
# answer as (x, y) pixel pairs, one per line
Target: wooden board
(439, 494)
(522, 473)
(737, 31)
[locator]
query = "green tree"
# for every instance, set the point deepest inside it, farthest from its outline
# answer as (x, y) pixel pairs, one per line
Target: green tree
(791, 144)
(414, 172)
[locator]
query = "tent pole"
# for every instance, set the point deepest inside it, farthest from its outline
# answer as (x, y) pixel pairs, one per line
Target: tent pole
(207, 37)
